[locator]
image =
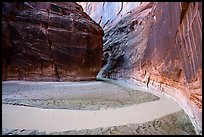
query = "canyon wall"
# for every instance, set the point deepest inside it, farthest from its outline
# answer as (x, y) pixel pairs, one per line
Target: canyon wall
(157, 43)
(107, 14)
(49, 41)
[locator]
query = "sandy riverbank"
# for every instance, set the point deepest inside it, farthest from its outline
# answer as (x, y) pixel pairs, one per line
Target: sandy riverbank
(173, 124)
(148, 107)
(93, 95)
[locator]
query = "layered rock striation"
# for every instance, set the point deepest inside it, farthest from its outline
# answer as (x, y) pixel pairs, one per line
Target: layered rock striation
(159, 44)
(49, 41)
(107, 14)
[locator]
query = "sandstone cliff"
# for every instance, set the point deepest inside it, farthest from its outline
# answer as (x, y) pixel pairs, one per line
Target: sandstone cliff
(49, 41)
(159, 44)
(108, 13)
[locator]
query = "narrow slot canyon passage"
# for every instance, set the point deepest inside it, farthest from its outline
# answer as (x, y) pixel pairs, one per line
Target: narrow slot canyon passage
(101, 68)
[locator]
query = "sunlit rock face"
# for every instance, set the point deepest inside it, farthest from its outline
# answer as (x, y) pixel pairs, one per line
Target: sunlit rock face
(107, 14)
(159, 44)
(49, 41)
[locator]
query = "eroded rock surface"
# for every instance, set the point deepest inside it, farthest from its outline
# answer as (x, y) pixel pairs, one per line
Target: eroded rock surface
(159, 44)
(49, 41)
(107, 14)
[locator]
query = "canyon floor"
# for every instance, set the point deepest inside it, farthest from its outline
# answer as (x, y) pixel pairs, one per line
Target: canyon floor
(90, 107)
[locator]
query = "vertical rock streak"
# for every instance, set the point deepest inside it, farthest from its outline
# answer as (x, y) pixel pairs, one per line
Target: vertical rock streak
(165, 42)
(50, 41)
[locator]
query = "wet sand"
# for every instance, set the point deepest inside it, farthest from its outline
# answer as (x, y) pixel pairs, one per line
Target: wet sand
(93, 95)
(74, 120)
(53, 120)
(173, 124)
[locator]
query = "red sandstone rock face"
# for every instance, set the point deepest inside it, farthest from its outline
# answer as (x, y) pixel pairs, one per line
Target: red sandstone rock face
(49, 41)
(160, 45)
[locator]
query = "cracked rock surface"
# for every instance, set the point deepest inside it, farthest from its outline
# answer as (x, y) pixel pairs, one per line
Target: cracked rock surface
(49, 41)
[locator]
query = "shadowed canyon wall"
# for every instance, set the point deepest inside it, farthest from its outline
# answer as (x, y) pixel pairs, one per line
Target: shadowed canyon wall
(49, 41)
(157, 43)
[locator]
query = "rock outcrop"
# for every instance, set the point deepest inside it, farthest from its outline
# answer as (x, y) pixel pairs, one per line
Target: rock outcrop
(159, 44)
(49, 41)
(107, 14)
